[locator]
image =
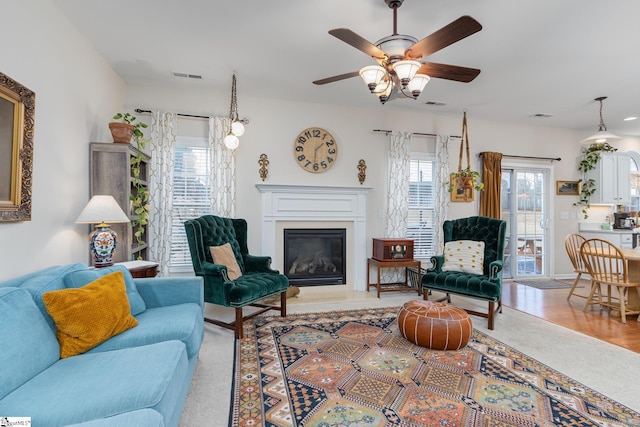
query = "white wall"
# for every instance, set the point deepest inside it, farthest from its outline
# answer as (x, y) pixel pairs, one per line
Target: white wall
(275, 123)
(76, 95)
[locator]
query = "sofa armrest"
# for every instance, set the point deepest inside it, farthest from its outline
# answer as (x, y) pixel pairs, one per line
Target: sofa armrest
(258, 264)
(495, 267)
(437, 261)
(165, 291)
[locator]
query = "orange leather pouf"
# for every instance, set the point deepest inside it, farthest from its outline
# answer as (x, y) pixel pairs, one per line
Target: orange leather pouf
(435, 325)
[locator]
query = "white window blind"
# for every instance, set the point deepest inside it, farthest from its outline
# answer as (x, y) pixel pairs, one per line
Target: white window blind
(421, 221)
(191, 195)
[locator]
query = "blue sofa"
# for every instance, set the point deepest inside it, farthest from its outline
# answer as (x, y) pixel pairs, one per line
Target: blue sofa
(140, 377)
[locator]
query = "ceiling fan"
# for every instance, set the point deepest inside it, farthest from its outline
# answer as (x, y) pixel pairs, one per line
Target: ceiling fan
(399, 69)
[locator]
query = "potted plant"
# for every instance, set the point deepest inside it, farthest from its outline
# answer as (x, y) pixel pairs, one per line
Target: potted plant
(465, 179)
(139, 196)
(125, 128)
(590, 158)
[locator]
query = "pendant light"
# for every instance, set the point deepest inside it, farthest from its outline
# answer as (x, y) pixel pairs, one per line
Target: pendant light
(602, 135)
(231, 141)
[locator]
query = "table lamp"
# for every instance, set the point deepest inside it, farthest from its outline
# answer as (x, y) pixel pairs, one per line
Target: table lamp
(102, 241)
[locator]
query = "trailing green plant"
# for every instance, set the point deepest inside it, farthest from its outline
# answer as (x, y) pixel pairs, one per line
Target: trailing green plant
(590, 158)
(465, 173)
(139, 192)
(130, 119)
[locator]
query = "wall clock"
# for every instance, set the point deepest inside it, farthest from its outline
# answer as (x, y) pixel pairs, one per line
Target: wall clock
(315, 150)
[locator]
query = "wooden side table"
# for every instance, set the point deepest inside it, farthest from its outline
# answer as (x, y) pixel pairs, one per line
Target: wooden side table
(140, 269)
(392, 287)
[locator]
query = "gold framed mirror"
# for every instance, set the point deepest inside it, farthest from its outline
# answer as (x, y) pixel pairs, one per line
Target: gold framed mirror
(17, 109)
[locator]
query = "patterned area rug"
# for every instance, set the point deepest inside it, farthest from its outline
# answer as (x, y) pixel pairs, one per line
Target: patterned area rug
(547, 284)
(355, 369)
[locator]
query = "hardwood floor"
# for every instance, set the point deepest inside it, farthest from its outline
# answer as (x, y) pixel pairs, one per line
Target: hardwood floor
(552, 305)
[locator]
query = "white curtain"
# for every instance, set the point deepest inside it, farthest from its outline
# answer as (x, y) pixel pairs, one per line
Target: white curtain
(398, 180)
(162, 151)
(223, 170)
(441, 195)
(397, 196)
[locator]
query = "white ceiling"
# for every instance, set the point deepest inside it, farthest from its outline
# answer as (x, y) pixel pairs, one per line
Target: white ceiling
(536, 56)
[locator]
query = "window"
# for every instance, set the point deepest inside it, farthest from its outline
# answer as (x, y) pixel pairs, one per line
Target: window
(191, 195)
(421, 220)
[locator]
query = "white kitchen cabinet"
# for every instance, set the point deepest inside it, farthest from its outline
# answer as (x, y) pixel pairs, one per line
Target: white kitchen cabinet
(612, 177)
(621, 239)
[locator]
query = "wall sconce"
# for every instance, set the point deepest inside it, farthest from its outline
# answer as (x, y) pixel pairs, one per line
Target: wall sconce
(264, 166)
(362, 171)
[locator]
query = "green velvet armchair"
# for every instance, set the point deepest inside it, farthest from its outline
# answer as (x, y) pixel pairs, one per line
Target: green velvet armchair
(486, 286)
(256, 282)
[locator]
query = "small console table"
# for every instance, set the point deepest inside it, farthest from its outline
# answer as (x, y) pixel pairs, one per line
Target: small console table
(140, 269)
(392, 287)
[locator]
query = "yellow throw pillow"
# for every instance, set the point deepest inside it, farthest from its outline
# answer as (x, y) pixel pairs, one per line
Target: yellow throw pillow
(224, 255)
(90, 315)
(465, 256)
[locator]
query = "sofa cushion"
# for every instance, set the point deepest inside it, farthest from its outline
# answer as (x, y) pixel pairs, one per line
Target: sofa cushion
(186, 325)
(140, 418)
(88, 316)
(78, 279)
(223, 254)
(28, 343)
(45, 280)
(99, 385)
(463, 283)
(255, 286)
(466, 256)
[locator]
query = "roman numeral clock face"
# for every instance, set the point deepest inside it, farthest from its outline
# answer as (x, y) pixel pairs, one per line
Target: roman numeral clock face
(315, 150)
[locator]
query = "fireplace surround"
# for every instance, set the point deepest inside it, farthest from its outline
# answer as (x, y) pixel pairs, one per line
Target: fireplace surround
(306, 206)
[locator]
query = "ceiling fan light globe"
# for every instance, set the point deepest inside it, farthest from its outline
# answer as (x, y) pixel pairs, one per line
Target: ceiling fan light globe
(418, 83)
(237, 128)
(372, 75)
(231, 141)
(406, 70)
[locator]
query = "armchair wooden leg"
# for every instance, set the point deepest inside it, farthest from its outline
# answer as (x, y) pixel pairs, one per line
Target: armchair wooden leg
(238, 324)
(283, 304)
(491, 314)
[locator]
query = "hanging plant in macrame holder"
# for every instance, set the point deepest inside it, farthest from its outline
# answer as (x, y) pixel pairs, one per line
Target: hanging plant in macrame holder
(465, 180)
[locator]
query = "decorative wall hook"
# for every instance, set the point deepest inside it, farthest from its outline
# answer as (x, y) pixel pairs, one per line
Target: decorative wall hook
(264, 166)
(362, 171)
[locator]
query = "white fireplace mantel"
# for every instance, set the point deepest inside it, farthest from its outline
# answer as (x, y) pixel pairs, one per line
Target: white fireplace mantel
(317, 203)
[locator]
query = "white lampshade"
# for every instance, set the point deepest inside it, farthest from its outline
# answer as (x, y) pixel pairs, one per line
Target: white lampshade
(237, 128)
(231, 141)
(600, 137)
(406, 70)
(102, 209)
(383, 90)
(417, 84)
(372, 75)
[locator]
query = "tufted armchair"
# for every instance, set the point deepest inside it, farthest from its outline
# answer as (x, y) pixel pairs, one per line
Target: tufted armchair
(256, 282)
(486, 286)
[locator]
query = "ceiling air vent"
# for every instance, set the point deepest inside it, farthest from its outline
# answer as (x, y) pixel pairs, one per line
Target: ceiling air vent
(188, 76)
(437, 104)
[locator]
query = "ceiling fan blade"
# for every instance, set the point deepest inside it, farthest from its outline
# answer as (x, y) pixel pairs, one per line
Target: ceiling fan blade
(445, 36)
(449, 72)
(349, 37)
(336, 78)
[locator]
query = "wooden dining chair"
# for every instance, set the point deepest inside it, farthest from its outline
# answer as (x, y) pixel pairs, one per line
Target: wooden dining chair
(607, 266)
(572, 244)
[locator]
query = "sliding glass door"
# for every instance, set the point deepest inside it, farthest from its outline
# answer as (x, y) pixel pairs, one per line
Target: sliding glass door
(525, 207)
